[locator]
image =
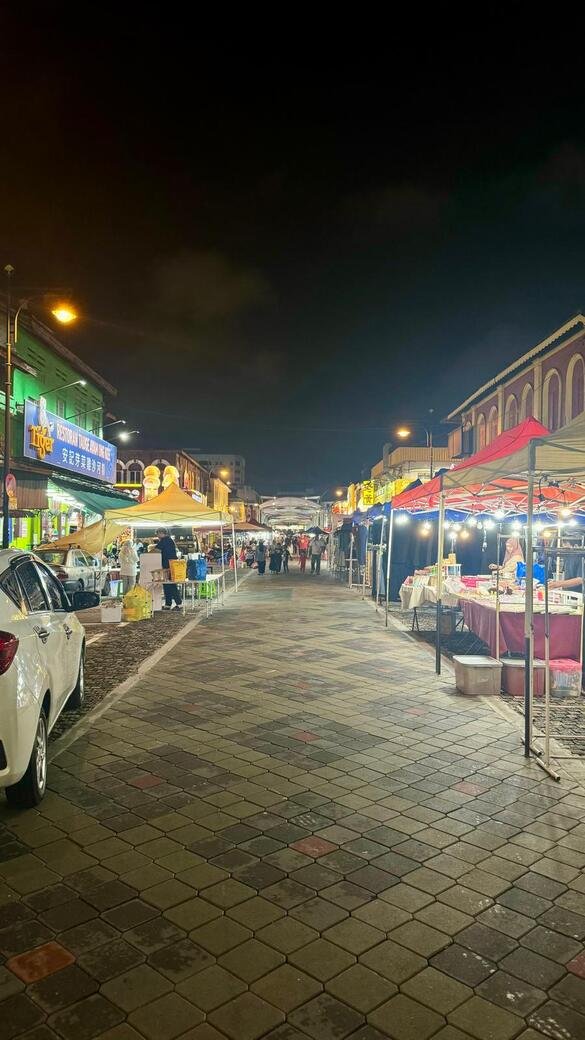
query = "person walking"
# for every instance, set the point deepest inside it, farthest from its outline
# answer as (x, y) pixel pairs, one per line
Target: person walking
(128, 561)
(276, 558)
(261, 557)
(302, 558)
(316, 549)
(285, 559)
(168, 551)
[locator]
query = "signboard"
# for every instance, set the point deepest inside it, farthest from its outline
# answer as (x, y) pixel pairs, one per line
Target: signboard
(57, 442)
(368, 492)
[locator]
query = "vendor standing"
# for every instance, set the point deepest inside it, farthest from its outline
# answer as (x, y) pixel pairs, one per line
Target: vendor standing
(168, 551)
(128, 561)
(512, 556)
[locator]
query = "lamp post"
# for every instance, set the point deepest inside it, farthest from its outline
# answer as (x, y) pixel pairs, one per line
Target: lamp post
(403, 432)
(63, 314)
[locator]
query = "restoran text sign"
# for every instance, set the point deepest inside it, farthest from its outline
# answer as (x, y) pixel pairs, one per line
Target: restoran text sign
(50, 439)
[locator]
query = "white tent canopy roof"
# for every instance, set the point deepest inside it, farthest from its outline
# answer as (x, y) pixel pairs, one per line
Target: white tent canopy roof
(559, 456)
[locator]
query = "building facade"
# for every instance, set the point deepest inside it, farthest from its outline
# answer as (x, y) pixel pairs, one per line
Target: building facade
(133, 463)
(230, 468)
(64, 470)
(547, 382)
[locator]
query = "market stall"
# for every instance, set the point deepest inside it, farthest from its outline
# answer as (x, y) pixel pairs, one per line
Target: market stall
(176, 508)
(544, 467)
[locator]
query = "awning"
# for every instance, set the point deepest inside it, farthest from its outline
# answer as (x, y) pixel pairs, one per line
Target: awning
(94, 501)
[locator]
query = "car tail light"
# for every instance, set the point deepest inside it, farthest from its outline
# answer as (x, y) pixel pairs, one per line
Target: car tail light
(8, 648)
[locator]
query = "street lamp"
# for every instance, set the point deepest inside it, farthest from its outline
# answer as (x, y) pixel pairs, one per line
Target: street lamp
(404, 432)
(116, 422)
(64, 314)
(125, 435)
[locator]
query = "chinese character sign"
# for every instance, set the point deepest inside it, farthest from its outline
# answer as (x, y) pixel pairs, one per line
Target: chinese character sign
(368, 492)
(56, 442)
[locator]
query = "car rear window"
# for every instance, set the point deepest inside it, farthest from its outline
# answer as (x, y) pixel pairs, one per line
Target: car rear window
(51, 556)
(10, 586)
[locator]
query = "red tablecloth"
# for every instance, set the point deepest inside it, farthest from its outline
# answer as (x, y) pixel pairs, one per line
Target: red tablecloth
(565, 630)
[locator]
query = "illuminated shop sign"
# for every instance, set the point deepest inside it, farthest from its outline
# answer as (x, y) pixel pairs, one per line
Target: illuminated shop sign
(50, 439)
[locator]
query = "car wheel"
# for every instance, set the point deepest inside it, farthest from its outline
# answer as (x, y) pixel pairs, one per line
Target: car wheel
(30, 790)
(78, 695)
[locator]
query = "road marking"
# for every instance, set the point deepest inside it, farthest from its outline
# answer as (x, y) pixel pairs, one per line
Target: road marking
(94, 639)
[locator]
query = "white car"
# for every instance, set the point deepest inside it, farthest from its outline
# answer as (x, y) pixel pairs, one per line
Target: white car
(75, 569)
(42, 649)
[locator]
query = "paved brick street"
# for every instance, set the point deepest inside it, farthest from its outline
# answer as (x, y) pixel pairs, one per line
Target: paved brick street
(290, 828)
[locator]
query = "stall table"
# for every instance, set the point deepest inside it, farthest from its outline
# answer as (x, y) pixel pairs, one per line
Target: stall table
(565, 629)
(195, 587)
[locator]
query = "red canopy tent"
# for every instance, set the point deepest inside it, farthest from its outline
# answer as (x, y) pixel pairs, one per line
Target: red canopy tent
(478, 496)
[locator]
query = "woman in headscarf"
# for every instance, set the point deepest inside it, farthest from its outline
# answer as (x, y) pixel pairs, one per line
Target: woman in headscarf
(514, 554)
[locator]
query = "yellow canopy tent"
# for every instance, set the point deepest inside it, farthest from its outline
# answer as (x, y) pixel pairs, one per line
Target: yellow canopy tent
(174, 508)
(90, 539)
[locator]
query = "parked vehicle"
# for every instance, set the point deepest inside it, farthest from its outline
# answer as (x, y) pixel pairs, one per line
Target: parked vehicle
(42, 650)
(75, 569)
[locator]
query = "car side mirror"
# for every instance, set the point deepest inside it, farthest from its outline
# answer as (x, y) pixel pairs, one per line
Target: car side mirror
(84, 600)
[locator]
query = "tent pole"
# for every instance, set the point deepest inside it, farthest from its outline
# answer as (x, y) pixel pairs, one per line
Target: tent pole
(351, 541)
(389, 560)
(440, 541)
(235, 556)
(379, 562)
(528, 607)
(222, 557)
(365, 560)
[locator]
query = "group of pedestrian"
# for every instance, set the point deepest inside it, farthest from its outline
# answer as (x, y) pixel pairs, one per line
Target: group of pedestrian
(279, 554)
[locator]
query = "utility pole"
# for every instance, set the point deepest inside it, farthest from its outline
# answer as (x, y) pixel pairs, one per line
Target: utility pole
(9, 270)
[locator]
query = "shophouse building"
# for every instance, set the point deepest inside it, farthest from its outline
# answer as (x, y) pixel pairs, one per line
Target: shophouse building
(547, 382)
(64, 469)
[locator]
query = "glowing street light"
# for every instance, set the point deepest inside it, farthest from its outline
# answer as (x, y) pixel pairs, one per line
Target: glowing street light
(403, 432)
(64, 313)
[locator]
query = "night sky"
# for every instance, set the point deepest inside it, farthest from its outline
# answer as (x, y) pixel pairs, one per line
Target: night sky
(285, 259)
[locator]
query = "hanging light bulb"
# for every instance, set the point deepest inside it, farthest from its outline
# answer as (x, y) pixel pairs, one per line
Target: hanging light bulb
(500, 514)
(489, 524)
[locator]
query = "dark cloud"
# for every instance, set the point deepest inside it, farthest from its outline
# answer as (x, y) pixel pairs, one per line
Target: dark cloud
(205, 286)
(403, 209)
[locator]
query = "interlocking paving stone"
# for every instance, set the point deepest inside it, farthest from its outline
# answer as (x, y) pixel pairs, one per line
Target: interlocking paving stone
(40, 962)
(325, 1018)
(406, 1019)
(247, 1017)
(251, 960)
(166, 1018)
(486, 1021)
(286, 987)
(322, 959)
(167, 843)
(135, 987)
(18, 1015)
(362, 988)
(211, 988)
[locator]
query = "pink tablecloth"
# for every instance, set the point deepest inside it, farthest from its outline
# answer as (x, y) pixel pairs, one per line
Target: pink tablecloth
(565, 631)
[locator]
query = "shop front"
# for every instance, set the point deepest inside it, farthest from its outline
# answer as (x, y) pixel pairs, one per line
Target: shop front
(64, 480)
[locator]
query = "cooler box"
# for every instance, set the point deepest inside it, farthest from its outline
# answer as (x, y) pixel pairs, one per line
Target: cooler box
(178, 569)
(111, 611)
(513, 672)
(565, 678)
(477, 676)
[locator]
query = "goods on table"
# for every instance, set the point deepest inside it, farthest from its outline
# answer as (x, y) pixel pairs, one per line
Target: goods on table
(477, 676)
(137, 604)
(178, 569)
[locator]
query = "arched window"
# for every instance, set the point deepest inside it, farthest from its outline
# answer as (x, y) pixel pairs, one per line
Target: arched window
(527, 402)
(480, 432)
(161, 463)
(552, 400)
(120, 472)
(575, 402)
(492, 425)
(134, 471)
(511, 413)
